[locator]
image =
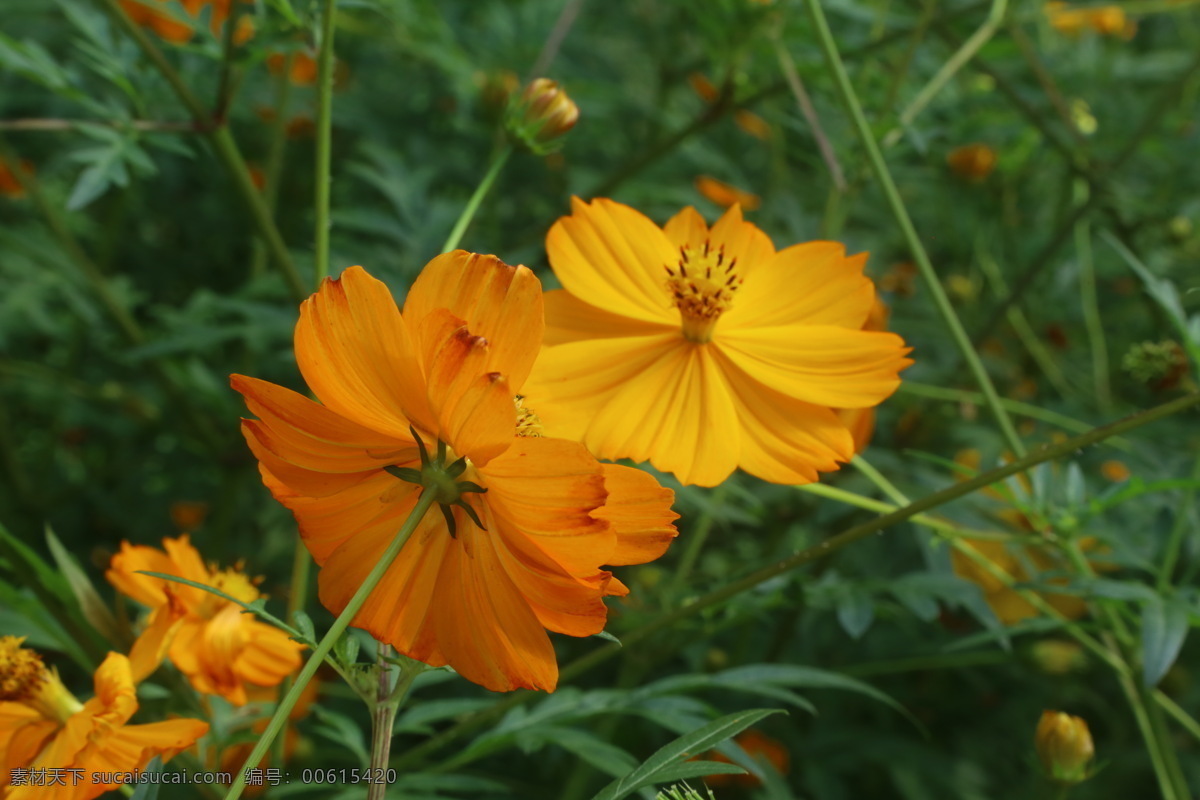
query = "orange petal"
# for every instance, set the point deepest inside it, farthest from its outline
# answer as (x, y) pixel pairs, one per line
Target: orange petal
(820, 364)
(474, 406)
(687, 228)
(615, 257)
(501, 303)
(355, 352)
(812, 283)
(273, 455)
(115, 695)
(269, 655)
(784, 440)
(639, 510)
(152, 645)
(742, 240)
(124, 569)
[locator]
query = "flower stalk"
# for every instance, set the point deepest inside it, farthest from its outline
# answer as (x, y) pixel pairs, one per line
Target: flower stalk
(279, 719)
(485, 185)
(325, 62)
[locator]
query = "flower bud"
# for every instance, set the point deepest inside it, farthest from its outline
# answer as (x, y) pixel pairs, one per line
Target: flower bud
(542, 115)
(1064, 746)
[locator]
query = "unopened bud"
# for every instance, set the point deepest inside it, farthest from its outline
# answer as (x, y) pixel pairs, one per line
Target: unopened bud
(1064, 746)
(541, 116)
(1159, 365)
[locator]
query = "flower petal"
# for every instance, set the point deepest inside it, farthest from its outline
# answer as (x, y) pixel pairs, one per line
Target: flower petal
(355, 353)
(569, 319)
(742, 240)
(614, 256)
(499, 302)
(639, 510)
(474, 406)
(687, 228)
(677, 413)
(820, 364)
(812, 283)
(784, 440)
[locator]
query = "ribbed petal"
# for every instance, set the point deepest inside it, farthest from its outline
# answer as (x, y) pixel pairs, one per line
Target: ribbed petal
(356, 355)
(572, 382)
(813, 283)
(639, 510)
(569, 319)
(499, 302)
(784, 440)
(269, 655)
(273, 456)
(614, 257)
(820, 364)
(677, 413)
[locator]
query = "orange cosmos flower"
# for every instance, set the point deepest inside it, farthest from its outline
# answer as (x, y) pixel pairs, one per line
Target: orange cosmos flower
(218, 647)
(972, 161)
(44, 727)
(703, 350)
(724, 194)
(477, 597)
(177, 31)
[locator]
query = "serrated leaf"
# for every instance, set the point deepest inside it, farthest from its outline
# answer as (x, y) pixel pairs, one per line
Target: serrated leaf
(1164, 628)
(667, 764)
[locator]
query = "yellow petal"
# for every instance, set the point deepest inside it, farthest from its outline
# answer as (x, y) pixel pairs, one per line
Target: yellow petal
(639, 510)
(501, 303)
(820, 364)
(615, 257)
(569, 319)
(813, 283)
(687, 228)
(741, 240)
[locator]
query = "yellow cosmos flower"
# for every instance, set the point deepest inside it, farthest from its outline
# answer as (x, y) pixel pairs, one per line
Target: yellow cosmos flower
(44, 727)
(702, 350)
(218, 647)
(477, 586)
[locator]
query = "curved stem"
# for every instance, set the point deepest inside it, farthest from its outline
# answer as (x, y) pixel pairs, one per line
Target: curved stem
(468, 213)
(279, 719)
(945, 309)
(324, 141)
(695, 543)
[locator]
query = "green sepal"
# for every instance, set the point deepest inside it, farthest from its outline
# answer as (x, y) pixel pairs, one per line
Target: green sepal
(405, 473)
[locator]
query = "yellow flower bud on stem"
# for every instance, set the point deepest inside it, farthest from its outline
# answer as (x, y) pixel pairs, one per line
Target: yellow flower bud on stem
(1064, 746)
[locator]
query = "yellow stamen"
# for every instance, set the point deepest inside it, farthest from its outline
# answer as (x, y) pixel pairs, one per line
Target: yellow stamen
(232, 582)
(702, 286)
(528, 423)
(25, 679)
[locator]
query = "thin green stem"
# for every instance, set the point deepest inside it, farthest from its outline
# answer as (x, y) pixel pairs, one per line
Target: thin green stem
(383, 718)
(1091, 307)
(828, 155)
(224, 145)
(325, 63)
(468, 213)
(695, 543)
(417, 755)
(871, 504)
(1161, 772)
(1179, 531)
(949, 69)
(1187, 721)
(275, 152)
(279, 719)
(945, 309)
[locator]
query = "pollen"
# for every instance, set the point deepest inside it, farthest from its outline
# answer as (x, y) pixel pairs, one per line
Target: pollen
(21, 671)
(528, 423)
(233, 582)
(702, 286)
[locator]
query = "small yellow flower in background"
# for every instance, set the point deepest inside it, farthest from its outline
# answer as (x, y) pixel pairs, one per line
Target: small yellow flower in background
(1064, 746)
(1008, 606)
(1115, 471)
(703, 349)
(477, 586)
(1104, 20)
(44, 727)
(1058, 656)
(726, 195)
(972, 161)
(220, 649)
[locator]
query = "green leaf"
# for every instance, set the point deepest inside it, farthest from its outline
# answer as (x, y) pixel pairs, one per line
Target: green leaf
(1164, 627)
(607, 758)
(94, 609)
(304, 624)
(148, 791)
(668, 764)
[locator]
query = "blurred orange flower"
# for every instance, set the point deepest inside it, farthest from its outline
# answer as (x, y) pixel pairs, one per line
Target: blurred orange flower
(703, 87)
(972, 161)
(702, 350)
(218, 647)
(752, 124)
(1115, 471)
(10, 184)
(449, 368)
(44, 727)
(188, 515)
(724, 194)
(758, 746)
(177, 31)
(1105, 20)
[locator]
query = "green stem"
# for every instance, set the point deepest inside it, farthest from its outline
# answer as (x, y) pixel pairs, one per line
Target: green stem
(870, 504)
(468, 213)
(949, 317)
(695, 543)
(1179, 531)
(279, 719)
(828, 155)
(1187, 721)
(275, 151)
(1091, 307)
(383, 718)
(224, 145)
(417, 755)
(949, 69)
(1165, 784)
(325, 63)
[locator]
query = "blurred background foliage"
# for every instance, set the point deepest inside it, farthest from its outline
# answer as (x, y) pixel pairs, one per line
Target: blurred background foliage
(135, 283)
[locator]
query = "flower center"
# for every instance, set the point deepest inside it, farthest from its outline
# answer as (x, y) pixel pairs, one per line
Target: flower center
(702, 286)
(232, 582)
(24, 679)
(528, 423)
